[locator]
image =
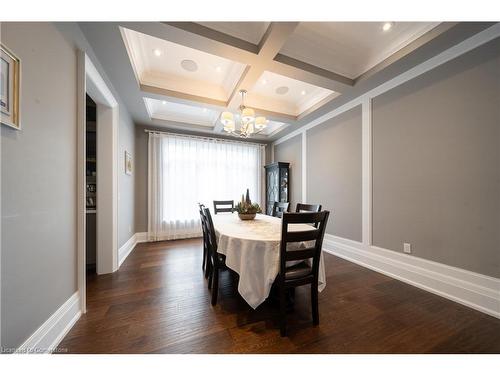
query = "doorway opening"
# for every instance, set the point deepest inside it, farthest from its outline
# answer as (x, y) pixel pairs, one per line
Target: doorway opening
(97, 180)
(91, 186)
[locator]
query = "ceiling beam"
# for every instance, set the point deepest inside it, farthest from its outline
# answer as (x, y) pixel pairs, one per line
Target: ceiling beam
(159, 93)
(296, 69)
(206, 32)
(273, 40)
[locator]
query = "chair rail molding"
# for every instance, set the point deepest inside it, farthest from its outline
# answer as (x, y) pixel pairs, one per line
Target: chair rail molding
(468, 288)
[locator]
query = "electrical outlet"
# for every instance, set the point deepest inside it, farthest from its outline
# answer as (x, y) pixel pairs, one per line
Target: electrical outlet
(407, 247)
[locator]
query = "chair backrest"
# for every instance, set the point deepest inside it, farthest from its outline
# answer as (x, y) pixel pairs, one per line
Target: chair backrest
(223, 206)
(203, 223)
(211, 237)
(279, 208)
(304, 207)
(316, 234)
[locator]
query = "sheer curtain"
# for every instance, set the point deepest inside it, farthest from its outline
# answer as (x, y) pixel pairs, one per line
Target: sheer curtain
(186, 170)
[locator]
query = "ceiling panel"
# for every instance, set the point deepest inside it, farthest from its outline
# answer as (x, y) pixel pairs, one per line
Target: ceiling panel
(171, 66)
(177, 112)
(350, 48)
(249, 31)
(277, 93)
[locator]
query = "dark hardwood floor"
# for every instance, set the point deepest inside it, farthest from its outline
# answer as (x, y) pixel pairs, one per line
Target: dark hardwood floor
(158, 302)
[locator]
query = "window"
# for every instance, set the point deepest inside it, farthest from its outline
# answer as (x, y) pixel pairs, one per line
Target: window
(186, 170)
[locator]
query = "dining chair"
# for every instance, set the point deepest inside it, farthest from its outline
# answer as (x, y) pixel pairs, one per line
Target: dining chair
(301, 272)
(217, 261)
(223, 206)
(205, 263)
(279, 208)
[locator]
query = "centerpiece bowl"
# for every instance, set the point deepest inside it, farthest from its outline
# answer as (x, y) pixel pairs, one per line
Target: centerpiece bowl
(247, 216)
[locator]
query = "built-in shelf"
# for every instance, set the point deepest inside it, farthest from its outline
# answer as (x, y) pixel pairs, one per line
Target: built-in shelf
(90, 211)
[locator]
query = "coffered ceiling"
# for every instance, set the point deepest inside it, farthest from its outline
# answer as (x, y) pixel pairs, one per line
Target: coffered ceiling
(188, 73)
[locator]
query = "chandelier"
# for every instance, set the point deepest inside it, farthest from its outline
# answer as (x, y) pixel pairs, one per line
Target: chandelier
(249, 124)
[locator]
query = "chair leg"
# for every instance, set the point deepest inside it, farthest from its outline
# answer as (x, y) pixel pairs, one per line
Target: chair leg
(209, 272)
(215, 285)
(208, 267)
(282, 292)
(204, 262)
(314, 303)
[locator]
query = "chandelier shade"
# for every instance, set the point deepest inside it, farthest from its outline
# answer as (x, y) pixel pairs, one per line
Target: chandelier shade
(247, 114)
(260, 123)
(226, 117)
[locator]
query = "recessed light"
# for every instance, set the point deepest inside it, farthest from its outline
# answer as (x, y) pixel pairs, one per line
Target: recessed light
(282, 90)
(204, 109)
(387, 26)
(157, 52)
(189, 65)
(163, 102)
(218, 69)
(264, 82)
(303, 92)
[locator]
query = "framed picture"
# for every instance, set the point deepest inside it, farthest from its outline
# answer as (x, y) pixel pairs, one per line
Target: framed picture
(10, 71)
(128, 163)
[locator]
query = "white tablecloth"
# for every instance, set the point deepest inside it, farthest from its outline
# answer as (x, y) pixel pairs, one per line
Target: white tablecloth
(252, 249)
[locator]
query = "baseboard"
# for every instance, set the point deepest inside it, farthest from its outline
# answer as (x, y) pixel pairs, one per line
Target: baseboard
(128, 246)
(50, 334)
(471, 289)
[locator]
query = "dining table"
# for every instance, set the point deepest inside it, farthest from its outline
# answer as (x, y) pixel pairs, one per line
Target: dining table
(252, 249)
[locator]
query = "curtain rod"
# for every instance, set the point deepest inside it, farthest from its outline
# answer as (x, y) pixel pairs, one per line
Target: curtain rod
(202, 137)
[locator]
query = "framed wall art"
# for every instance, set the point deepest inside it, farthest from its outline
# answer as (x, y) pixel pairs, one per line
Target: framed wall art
(128, 163)
(10, 77)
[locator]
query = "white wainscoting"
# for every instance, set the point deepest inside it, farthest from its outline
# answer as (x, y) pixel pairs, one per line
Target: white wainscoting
(471, 289)
(468, 288)
(128, 246)
(50, 334)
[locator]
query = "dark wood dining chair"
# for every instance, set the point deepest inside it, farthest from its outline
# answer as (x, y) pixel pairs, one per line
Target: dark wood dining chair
(279, 208)
(217, 261)
(302, 273)
(205, 263)
(223, 206)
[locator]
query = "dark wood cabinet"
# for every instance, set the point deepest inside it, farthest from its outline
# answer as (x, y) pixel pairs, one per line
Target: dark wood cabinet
(277, 184)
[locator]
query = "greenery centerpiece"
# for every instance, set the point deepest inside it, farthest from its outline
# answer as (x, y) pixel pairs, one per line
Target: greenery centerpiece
(246, 209)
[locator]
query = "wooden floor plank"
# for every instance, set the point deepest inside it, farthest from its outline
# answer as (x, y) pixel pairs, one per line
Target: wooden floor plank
(158, 302)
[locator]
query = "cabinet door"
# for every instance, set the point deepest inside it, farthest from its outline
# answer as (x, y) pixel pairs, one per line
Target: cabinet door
(283, 187)
(272, 189)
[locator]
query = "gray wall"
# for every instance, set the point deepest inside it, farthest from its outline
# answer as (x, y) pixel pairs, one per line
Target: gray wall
(39, 180)
(126, 183)
(39, 183)
(141, 179)
(291, 151)
(334, 172)
(436, 164)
